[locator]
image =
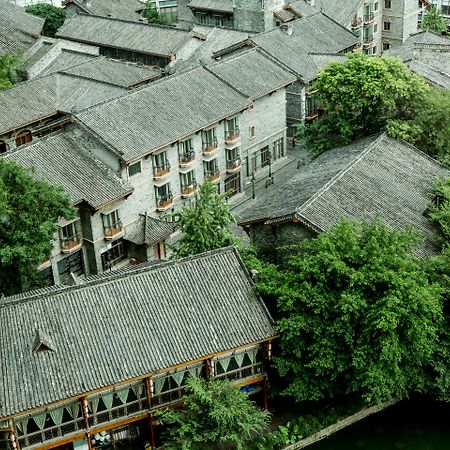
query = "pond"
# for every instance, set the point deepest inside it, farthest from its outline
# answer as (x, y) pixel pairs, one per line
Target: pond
(410, 425)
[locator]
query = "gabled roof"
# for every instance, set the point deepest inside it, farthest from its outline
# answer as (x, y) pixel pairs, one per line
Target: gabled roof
(309, 35)
(163, 112)
(121, 326)
(428, 55)
(252, 73)
(127, 35)
(119, 9)
(42, 97)
(375, 176)
(61, 159)
(149, 231)
(18, 29)
(342, 11)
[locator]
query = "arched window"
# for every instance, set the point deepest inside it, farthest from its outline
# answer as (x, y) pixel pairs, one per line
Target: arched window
(23, 137)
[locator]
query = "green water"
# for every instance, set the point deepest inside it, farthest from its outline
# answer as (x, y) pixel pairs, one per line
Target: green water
(410, 425)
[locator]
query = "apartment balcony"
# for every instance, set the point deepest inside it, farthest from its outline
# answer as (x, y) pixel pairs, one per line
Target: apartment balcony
(113, 231)
(234, 165)
(188, 190)
(356, 23)
(70, 243)
(312, 114)
(232, 137)
(164, 202)
(368, 41)
(213, 176)
(209, 147)
(187, 159)
(160, 172)
(368, 18)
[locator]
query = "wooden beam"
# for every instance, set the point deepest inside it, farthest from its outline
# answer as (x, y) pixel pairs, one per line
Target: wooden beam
(62, 441)
(118, 423)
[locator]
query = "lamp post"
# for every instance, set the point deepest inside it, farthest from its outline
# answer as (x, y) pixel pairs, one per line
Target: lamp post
(253, 185)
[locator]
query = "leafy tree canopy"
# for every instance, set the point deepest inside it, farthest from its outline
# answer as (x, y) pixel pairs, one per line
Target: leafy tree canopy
(8, 69)
(434, 21)
(213, 412)
(54, 17)
(204, 224)
(152, 14)
(359, 315)
(439, 210)
(29, 211)
(359, 96)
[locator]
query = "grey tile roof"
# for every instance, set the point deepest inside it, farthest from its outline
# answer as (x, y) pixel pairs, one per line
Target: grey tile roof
(163, 112)
(18, 30)
(301, 8)
(428, 55)
(215, 5)
(148, 230)
(42, 97)
(342, 11)
(252, 73)
(65, 60)
(134, 36)
(313, 34)
(380, 176)
(62, 160)
(120, 9)
(117, 327)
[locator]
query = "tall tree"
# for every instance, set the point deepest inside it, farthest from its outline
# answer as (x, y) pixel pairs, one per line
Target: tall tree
(213, 412)
(54, 17)
(8, 69)
(204, 224)
(434, 21)
(152, 14)
(29, 211)
(358, 96)
(359, 315)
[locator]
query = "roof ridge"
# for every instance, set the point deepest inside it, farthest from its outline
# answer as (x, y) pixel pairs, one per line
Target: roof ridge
(105, 278)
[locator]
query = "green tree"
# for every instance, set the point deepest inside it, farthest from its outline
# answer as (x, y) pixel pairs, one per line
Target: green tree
(428, 126)
(205, 224)
(359, 315)
(152, 14)
(213, 412)
(358, 96)
(29, 211)
(54, 17)
(8, 69)
(439, 209)
(434, 21)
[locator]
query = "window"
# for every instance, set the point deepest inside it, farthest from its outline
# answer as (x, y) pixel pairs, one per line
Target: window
(69, 236)
(261, 158)
(164, 197)
(375, 6)
(203, 19)
(211, 170)
(387, 26)
(209, 140)
(117, 253)
(375, 28)
(387, 4)
(134, 169)
(232, 184)
(188, 183)
(161, 164)
(252, 132)
(233, 158)
(218, 21)
(186, 152)
(112, 224)
(23, 137)
(241, 364)
(231, 128)
(386, 46)
(278, 148)
(374, 50)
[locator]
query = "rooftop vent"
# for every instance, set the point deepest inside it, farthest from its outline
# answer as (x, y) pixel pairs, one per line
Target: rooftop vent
(42, 342)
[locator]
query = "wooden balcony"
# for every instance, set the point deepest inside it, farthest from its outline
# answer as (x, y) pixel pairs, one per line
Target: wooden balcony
(188, 190)
(187, 159)
(209, 147)
(232, 136)
(234, 165)
(160, 172)
(165, 202)
(213, 176)
(113, 231)
(70, 244)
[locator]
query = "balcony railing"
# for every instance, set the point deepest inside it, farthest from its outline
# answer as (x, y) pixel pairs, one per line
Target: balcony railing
(356, 23)
(242, 372)
(232, 135)
(233, 165)
(311, 114)
(188, 190)
(213, 175)
(368, 18)
(169, 396)
(187, 158)
(70, 243)
(113, 230)
(209, 146)
(117, 412)
(368, 41)
(164, 202)
(161, 171)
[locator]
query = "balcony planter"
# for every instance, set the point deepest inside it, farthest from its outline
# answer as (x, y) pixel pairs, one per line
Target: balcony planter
(161, 171)
(164, 203)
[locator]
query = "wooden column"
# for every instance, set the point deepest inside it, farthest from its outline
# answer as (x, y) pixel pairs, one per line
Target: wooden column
(266, 405)
(84, 410)
(13, 437)
(148, 382)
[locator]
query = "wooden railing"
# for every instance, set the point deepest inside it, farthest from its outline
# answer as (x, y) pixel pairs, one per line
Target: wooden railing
(116, 412)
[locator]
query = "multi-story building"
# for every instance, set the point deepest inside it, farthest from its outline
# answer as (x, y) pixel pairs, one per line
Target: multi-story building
(24, 3)
(93, 363)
